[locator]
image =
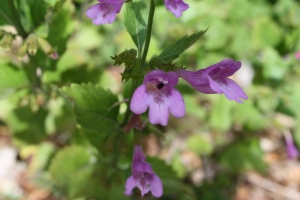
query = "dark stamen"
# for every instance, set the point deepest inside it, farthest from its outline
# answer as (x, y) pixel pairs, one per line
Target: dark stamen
(160, 85)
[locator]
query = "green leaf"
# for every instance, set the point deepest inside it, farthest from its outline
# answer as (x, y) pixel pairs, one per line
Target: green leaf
(135, 22)
(38, 10)
(127, 57)
(243, 156)
(248, 115)
(71, 171)
(199, 145)
(171, 183)
(157, 63)
(95, 108)
(11, 78)
(5, 14)
(266, 33)
(61, 26)
(221, 114)
(172, 51)
(28, 125)
(273, 64)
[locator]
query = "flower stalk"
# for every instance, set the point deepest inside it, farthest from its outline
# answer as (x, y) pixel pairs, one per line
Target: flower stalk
(149, 30)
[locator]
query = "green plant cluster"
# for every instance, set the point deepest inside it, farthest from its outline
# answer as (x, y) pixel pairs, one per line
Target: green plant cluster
(71, 112)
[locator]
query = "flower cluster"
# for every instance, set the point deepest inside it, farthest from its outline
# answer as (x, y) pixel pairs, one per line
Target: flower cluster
(106, 10)
(143, 176)
(158, 93)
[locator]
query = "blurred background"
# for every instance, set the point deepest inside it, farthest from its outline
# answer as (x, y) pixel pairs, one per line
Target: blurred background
(219, 150)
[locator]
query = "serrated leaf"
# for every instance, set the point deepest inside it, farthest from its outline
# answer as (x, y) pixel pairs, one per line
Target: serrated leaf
(71, 171)
(127, 57)
(157, 63)
(94, 107)
(135, 22)
(172, 51)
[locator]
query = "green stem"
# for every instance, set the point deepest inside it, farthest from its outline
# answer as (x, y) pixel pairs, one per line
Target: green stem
(16, 17)
(149, 30)
(31, 74)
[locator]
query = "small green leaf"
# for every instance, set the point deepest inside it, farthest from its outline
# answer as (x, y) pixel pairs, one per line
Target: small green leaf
(127, 57)
(135, 22)
(172, 51)
(95, 108)
(157, 63)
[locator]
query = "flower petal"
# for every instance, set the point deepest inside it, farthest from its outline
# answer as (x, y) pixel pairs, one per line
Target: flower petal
(223, 69)
(140, 100)
(156, 186)
(232, 90)
(176, 7)
(176, 104)
(159, 112)
(138, 154)
(93, 11)
(130, 184)
(214, 86)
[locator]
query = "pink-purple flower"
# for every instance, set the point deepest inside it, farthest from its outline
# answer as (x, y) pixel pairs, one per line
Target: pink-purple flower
(291, 149)
(158, 93)
(143, 176)
(214, 79)
(297, 55)
(105, 11)
(176, 7)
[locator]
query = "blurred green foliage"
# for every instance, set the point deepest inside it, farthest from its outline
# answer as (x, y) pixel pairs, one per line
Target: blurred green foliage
(88, 155)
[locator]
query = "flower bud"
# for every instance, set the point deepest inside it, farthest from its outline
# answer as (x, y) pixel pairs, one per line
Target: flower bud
(6, 41)
(32, 44)
(47, 48)
(22, 50)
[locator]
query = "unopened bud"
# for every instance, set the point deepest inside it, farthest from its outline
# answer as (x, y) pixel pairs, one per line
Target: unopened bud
(54, 55)
(6, 41)
(22, 50)
(32, 44)
(47, 48)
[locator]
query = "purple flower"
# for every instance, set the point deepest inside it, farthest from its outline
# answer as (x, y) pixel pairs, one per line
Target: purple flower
(143, 176)
(291, 149)
(176, 7)
(158, 92)
(105, 11)
(297, 55)
(214, 80)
